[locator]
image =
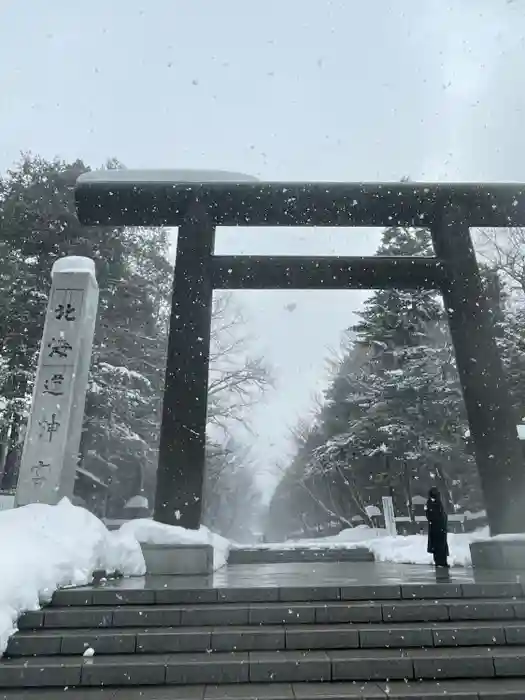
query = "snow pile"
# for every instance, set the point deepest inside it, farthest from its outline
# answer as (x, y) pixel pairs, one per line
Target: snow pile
(151, 532)
(516, 537)
(342, 540)
(351, 535)
(48, 547)
(411, 549)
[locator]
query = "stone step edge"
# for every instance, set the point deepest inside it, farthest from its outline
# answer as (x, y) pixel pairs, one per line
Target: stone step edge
(260, 667)
(277, 549)
(395, 690)
(393, 625)
(515, 651)
(241, 557)
(129, 640)
(261, 614)
(82, 597)
(282, 604)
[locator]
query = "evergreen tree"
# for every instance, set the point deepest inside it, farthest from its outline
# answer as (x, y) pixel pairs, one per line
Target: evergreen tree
(393, 420)
(38, 225)
(124, 401)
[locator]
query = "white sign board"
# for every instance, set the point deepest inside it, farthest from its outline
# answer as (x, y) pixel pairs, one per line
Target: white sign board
(7, 501)
(390, 519)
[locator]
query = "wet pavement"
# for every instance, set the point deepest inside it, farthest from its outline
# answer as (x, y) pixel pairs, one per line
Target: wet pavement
(318, 575)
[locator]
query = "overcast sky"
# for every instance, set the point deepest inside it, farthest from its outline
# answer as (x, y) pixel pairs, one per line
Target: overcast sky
(281, 89)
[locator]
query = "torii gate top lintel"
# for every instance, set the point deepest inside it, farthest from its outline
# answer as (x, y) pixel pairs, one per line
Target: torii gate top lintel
(162, 198)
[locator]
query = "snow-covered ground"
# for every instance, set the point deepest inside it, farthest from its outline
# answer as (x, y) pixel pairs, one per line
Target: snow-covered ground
(149, 531)
(48, 547)
(411, 549)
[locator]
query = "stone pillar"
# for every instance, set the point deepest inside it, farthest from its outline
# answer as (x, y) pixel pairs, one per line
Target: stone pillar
(52, 441)
(182, 446)
(485, 389)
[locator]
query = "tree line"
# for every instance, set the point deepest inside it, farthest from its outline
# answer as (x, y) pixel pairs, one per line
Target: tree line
(119, 442)
(392, 421)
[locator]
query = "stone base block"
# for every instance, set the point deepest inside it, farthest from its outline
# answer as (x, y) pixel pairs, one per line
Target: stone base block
(297, 555)
(498, 554)
(178, 559)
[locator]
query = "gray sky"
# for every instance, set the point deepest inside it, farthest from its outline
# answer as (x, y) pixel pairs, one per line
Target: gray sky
(281, 89)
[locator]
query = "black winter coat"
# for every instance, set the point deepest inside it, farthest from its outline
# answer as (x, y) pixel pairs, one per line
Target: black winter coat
(437, 528)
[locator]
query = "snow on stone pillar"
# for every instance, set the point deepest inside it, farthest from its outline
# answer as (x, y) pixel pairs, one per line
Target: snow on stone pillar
(52, 441)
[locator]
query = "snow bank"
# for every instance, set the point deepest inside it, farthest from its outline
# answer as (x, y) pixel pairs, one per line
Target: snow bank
(356, 535)
(516, 537)
(151, 532)
(411, 549)
(48, 547)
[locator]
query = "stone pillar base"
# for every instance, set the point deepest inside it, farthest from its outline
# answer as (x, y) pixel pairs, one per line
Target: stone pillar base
(498, 554)
(178, 559)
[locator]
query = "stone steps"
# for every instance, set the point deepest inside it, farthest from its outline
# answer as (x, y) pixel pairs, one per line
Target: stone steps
(483, 689)
(240, 555)
(264, 667)
(329, 612)
(135, 593)
(419, 641)
(164, 640)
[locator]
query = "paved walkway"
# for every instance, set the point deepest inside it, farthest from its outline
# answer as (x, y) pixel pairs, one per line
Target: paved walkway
(318, 575)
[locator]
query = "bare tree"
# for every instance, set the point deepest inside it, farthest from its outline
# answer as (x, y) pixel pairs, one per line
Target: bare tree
(231, 498)
(237, 378)
(504, 251)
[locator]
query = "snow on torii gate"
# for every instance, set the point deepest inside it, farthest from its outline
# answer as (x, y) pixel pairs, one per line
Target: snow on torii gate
(198, 202)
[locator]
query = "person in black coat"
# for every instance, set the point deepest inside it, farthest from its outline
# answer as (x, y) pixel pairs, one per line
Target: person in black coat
(437, 528)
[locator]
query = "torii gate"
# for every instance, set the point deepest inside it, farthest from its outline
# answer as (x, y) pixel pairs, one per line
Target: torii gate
(198, 203)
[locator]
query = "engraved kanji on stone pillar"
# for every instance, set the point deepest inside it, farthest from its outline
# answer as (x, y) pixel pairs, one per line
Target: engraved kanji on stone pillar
(50, 455)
